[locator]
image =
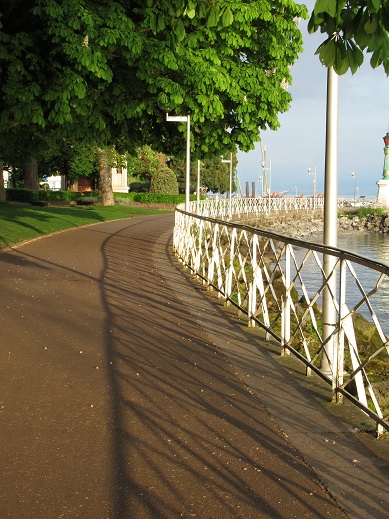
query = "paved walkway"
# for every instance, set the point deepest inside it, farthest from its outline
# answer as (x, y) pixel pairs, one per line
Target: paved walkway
(127, 393)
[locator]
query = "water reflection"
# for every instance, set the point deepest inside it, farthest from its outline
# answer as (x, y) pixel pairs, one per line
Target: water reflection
(372, 246)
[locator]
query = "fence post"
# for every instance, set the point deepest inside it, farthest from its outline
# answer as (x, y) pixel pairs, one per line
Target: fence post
(286, 305)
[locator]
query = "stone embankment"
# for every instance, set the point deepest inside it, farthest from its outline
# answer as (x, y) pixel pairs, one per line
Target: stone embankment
(308, 224)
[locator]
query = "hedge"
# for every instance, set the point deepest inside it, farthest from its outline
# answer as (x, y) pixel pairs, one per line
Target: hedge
(153, 198)
(29, 195)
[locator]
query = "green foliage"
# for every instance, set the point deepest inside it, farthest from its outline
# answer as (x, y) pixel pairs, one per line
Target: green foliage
(153, 169)
(21, 195)
(353, 27)
(363, 212)
(214, 174)
(98, 73)
(152, 198)
(28, 195)
(82, 161)
(164, 181)
(139, 187)
(87, 199)
(135, 166)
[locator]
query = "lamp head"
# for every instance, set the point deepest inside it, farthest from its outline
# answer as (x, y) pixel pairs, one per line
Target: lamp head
(165, 109)
(164, 103)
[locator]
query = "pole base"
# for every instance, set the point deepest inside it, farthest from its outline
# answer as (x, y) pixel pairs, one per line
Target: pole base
(383, 193)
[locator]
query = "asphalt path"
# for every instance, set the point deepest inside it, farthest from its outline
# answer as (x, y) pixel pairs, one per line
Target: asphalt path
(127, 393)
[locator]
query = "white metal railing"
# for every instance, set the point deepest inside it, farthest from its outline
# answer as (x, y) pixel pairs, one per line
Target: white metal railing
(220, 208)
(278, 282)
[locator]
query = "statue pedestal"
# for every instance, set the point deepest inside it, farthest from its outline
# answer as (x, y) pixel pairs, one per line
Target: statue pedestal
(383, 193)
(119, 180)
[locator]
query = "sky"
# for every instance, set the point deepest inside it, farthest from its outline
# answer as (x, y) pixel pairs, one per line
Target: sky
(299, 143)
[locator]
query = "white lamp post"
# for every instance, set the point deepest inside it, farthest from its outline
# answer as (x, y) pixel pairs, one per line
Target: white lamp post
(229, 161)
(330, 234)
(264, 173)
(184, 119)
(198, 186)
(261, 184)
(355, 184)
(310, 172)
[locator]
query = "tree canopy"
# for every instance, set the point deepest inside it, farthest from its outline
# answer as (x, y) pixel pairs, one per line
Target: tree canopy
(103, 72)
(352, 27)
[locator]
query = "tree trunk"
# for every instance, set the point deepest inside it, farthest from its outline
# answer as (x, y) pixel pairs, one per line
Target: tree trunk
(105, 180)
(73, 185)
(2, 190)
(30, 171)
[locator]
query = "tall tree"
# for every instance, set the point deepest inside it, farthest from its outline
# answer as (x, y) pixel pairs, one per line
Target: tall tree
(105, 179)
(103, 72)
(2, 190)
(31, 174)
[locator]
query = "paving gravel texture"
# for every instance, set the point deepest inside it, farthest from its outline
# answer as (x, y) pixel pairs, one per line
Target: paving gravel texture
(127, 393)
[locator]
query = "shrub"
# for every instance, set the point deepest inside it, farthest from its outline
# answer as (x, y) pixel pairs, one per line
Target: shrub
(139, 187)
(164, 181)
(153, 198)
(56, 196)
(363, 212)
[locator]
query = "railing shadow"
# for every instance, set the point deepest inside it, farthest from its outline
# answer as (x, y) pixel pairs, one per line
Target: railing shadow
(331, 444)
(188, 438)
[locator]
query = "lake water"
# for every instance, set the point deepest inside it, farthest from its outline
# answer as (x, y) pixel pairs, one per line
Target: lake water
(373, 246)
(370, 245)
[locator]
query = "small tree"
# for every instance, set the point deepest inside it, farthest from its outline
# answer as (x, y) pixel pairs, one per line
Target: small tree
(162, 179)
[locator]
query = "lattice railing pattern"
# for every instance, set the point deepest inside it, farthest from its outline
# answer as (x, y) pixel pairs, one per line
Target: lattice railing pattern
(279, 283)
(239, 206)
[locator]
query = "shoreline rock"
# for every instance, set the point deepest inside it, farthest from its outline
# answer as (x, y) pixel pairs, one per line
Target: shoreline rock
(308, 225)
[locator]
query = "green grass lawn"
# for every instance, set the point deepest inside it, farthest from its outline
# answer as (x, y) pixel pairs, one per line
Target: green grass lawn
(19, 223)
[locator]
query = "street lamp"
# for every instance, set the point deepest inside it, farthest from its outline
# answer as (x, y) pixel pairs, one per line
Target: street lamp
(261, 184)
(229, 161)
(184, 119)
(264, 168)
(310, 172)
(385, 174)
(198, 187)
(355, 184)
